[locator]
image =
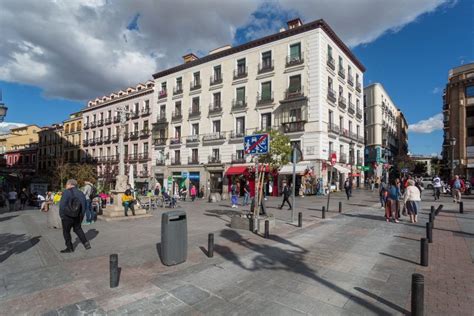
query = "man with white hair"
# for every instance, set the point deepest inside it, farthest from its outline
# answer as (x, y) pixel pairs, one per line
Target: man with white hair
(72, 208)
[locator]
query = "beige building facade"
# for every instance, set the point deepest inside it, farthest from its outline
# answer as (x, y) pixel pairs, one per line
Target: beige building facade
(50, 148)
(73, 138)
(19, 138)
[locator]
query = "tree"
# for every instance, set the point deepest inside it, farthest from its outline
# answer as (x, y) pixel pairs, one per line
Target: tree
(84, 172)
(280, 150)
(436, 166)
(420, 168)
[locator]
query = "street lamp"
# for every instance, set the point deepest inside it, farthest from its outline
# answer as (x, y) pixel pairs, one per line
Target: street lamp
(452, 142)
(3, 108)
(351, 158)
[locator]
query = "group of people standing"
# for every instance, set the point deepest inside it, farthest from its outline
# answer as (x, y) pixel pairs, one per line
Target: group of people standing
(401, 197)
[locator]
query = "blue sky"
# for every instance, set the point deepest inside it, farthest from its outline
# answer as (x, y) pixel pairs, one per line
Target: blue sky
(412, 62)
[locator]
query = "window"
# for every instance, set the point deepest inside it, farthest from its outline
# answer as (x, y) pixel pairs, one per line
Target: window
(145, 125)
(296, 115)
(469, 91)
(147, 104)
(145, 148)
(163, 87)
(295, 143)
(109, 114)
(216, 126)
(358, 130)
(329, 83)
(195, 105)
(240, 154)
(266, 91)
(179, 84)
(136, 108)
(295, 84)
(330, 117)
(341, 91)
(177, 156)
(215, 154)
(95, 118)
(341, 122)
(217, 73)
(195, 129)
(329, 52)
(217, 100)
(267, 60)
(162, 111)
(470, 132)
(101, 116)
(240, 126)
(194, 155)
(350, 127)
(331, 147)
(177, 132)
(349, 71)
(349, 97)
(197, 78)
(266, 121)
(240, 95)
(357, 78)
(341, 65)
(177, 107)
(295, 52)
(101, 133)
(241, 66)
(135, 127)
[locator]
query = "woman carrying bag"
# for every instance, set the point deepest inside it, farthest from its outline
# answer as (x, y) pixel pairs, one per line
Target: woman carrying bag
(411, 200)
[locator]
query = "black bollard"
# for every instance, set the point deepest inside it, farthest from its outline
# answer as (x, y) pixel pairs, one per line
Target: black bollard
(432, 211)
(429, 233)
(340, 207)
(432, 218)
(114, 271)
(424, 252)
(324, 212)
(417, 294)
(300, 219)
(210, 246)
(438, 209)
(267, 229)
(461, 207)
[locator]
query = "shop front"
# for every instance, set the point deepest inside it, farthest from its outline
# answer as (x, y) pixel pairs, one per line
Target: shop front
(239, 174)
(305, 178)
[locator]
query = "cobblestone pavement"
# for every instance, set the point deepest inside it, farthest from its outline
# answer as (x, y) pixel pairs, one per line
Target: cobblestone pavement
(353, 263)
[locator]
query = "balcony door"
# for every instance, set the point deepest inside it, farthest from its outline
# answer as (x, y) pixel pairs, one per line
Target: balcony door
(295, 84)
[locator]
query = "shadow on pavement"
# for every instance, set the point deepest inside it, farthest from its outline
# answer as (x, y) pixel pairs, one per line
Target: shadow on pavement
(407, 238)
(11, 244)
(383, 301)
(6, 218)
(90, 234)
(399, 258)
(274, 258)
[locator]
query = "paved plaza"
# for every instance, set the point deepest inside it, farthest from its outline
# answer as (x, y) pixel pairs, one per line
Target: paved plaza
(351, 263)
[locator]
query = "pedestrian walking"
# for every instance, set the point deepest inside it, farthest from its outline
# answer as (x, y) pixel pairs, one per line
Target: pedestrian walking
(412, 200)
(393, 195)
(458, 186)
(382, 194)
(286, 195)
(90, 193)
(72, 210)
(372, 183)
(23, 198)
(246, 193)
(436, 187)
(234, 196)
(12, 197)
(193, 192)
(348, 188)
(128, 202)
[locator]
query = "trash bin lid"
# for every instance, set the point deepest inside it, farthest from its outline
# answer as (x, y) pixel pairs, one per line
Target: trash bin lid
(173, 215)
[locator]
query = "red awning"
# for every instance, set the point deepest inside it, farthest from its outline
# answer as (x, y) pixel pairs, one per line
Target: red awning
(236, 170)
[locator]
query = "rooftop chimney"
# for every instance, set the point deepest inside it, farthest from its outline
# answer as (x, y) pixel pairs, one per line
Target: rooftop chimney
(189, 58)
(294, 23)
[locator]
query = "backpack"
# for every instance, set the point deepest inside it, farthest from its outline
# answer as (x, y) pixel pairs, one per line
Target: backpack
(74, 207)
(93, 192)
(457, 184)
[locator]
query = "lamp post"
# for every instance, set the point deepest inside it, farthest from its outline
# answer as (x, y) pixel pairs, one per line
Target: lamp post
(3, 108)
(122, 179)
(452, 142)
(351, 158)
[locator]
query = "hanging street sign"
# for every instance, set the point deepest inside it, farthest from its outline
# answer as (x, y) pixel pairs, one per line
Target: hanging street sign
(257, 144)
(333, 159)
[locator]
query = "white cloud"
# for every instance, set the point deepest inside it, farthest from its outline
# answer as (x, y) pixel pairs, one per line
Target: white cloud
(82, 49)
(436, 90)
(427, 126)
(6, 126)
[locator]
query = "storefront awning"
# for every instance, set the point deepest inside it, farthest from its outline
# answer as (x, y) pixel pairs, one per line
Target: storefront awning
(341, 169)
(236, 170)
(288, 169)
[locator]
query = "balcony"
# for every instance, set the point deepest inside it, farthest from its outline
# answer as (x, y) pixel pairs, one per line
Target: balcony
(176, 115)
(178, 90)
(331, 95)
(86, 125)
(146, 111)
(175, 141)
(294, 93)
(107, 139)
(240, 73)
(294, 60)
(145, 132)
(215, 80)
(144, 174)
(266, 66)
(239, 104)
(237, 159)
(353, 135)
(360, 139)
(333, 128)
(359, 112)
(358, 87)
(195, 85)
(175, 161)
(192, 139)
(214, 159)
(264, 99)
(342, 102)
(93, 124)
(218, 136)
(215, 108)
(292, 127)
(331, 63)
(117, 119)
(85, 143)
(99, 140)
(162, 94)
(342, 73)
(193, 161)
(351, 108)
(194, 111)
(161, 118)
(132, 157)
(157, 142)
(115, 138)
(160, 162)
(350, 80)
(108, 121)
(134, 135)
(135, 114)
(359, 161)
(237, 134)
(344, 132)
(100, 123)
(342, 158)
(143, 157)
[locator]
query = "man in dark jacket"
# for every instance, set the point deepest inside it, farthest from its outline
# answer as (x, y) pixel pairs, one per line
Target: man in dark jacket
(73, 222)
(286, 196)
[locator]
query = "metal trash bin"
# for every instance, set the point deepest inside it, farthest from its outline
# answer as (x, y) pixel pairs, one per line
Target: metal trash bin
(174, 237)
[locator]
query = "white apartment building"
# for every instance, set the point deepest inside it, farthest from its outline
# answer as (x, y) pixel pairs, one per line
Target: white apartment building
(303, 81)
(100, 134)
(381, 128)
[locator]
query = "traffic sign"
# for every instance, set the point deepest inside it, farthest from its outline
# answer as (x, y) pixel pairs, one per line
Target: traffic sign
(404, 170)
(257, 144)
(333, 159)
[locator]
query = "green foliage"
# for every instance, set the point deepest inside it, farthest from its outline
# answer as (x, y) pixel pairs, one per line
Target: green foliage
(65, 171)
(280, 149)
(420, 168)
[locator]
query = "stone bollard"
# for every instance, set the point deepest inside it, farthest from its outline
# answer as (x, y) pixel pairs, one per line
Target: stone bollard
(461, 207)
(417, 294)
(210, 246)
(114, 271)
(424, 252)
(323, 212)
(429, 233)
(300, 219)
(267, 229)
(340, 207)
